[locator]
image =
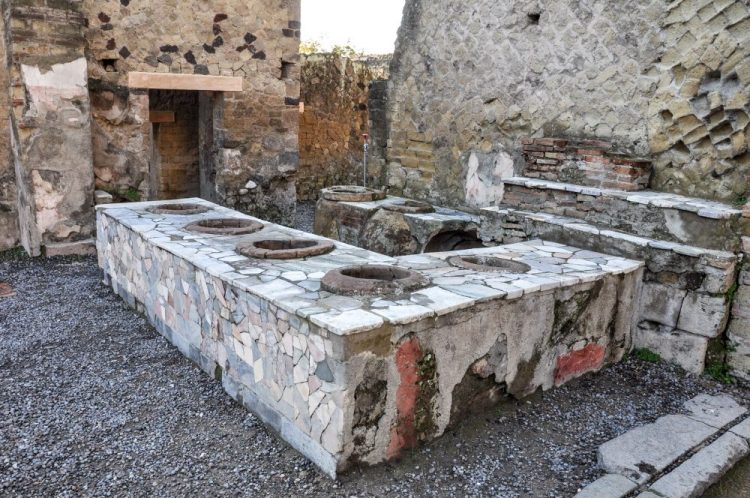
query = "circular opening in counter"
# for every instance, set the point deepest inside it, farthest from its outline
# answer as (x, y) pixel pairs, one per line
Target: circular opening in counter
(351, 193)
(409, 206)
(371, 280)
(225, 226)
(285, 248)
(489, 264)
(181, 209)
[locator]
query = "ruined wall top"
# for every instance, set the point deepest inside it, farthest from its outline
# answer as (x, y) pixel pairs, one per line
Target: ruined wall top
(229, 38)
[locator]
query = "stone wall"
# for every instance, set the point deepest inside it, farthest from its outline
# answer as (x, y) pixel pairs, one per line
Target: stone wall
(254, 149)
(50, 124)
(684, 305)
(667, 80)
(9, 236)
(335, 93)
(738, 333)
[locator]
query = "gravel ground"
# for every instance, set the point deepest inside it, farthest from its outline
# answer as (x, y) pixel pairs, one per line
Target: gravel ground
(305, 216)
(94, 402)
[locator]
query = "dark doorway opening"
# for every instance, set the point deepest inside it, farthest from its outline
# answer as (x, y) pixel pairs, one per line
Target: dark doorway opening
(182, 159)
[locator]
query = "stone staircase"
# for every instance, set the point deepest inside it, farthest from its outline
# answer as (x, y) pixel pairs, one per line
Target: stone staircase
(695, 299)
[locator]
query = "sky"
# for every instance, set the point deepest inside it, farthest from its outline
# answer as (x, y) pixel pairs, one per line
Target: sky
(368, 26)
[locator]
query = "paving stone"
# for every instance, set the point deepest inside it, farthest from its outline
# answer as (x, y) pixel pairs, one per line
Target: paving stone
(716, 411)
(742, 429)
(646, 450)
(695, 475)
(608, 486)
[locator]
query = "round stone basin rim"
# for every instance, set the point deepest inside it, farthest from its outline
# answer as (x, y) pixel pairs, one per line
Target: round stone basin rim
(291, 248)
(373, 280)
(409, 206)
(225, 226)
(489, 263)
(183, 209)
(352, 193)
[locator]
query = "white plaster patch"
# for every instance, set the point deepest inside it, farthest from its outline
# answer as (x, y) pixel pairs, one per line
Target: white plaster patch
(482, 191)
(62, 82)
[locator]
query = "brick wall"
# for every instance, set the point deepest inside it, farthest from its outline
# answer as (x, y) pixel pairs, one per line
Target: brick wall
(9, 236)
(335, 93)
(585, 162)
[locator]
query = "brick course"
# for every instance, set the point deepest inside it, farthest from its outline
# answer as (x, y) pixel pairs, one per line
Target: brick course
(590, 163)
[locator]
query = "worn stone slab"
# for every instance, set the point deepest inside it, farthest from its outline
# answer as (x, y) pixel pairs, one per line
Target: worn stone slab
(399, 315)
(608, 486)
(440, 300)
(102, 197)
(742, 429)
(700, 471)
(716, 411)
(348, 322)
(641, 453)
(80, 248)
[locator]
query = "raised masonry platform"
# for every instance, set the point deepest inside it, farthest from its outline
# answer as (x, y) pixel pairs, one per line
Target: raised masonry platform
(350, 376)
(393, 225)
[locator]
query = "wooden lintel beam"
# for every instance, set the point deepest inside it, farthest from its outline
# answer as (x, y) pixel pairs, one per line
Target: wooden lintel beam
(161, 116)
(171, 81)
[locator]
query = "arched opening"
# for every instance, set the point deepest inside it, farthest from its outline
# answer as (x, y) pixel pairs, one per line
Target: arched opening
(454, 240)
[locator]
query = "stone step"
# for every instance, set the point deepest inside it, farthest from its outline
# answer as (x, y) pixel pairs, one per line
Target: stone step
(657, 215)
(684, 301)
(701, 445)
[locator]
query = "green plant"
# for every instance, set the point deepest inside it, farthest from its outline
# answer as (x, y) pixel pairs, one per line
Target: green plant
(720, 372)
(310, 47)
(13, 254)
(132, 194)
(740, 200)
(345, 51)
(647, 355)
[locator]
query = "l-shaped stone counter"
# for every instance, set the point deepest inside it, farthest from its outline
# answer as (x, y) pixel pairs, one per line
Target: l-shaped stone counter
(348, 378)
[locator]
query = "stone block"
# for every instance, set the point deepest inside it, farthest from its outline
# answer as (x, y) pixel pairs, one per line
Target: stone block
(700, 471)
(716, 411)
(608, 486)
(661, 304)
(102, 197)
(643, 452)
(742, 429)
(79, 248)
(673, 345)
(703, 314)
